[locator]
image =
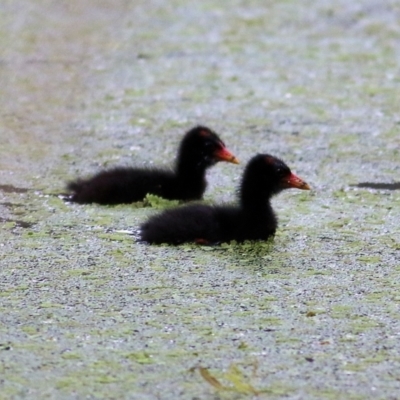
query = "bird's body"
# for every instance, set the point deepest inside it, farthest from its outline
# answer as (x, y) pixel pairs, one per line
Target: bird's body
(200, 149)
(128, 185)
(252, 219)
(208, 224)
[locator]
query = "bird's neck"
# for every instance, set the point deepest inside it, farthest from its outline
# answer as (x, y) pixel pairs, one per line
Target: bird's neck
(255, 197)
(189, 170)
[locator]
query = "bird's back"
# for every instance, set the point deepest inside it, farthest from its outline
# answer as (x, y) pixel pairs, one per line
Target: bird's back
(182, 224)
(121, 185)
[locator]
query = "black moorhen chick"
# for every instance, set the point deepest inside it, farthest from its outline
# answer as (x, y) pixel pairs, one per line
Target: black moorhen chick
(253, 219)
(199, 149)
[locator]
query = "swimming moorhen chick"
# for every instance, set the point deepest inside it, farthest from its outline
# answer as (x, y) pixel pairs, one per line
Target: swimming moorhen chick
(253, 219)
(199, 149)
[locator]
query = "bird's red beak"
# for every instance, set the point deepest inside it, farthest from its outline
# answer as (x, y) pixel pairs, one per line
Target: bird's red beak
(223, 154)
(294, 181)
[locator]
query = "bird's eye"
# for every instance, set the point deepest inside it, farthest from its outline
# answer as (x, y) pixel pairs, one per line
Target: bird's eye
(281, 171)
(209, 145)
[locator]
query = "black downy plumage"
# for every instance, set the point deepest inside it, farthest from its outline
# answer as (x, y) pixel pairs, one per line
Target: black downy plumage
(199, 150)
(252, 219)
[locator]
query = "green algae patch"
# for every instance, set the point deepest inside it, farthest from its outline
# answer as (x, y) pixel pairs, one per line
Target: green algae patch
(269, 298)
(71, 356)
(9, 225)
(115, 237)
(333, 394)
(341, 311)
(94, 377)
(15, 289)
(355, 367)
(50, 305)
(376, 297)
(370, 259)
(134, 318)
(30, 330)
(154, 201)
(237, 382)
(281, 339)
(349, 338)
(140, 357)
(248, 251)
(363, 324)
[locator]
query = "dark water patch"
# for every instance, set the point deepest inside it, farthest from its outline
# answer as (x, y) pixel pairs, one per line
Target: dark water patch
(378, 185)
(143, 56)
(5, 346)
(12, 189)
(18, 223)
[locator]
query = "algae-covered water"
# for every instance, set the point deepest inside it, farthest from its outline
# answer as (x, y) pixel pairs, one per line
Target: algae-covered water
(87, 312)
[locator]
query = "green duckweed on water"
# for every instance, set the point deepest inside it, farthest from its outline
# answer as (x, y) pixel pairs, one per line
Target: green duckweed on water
(87, 311)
